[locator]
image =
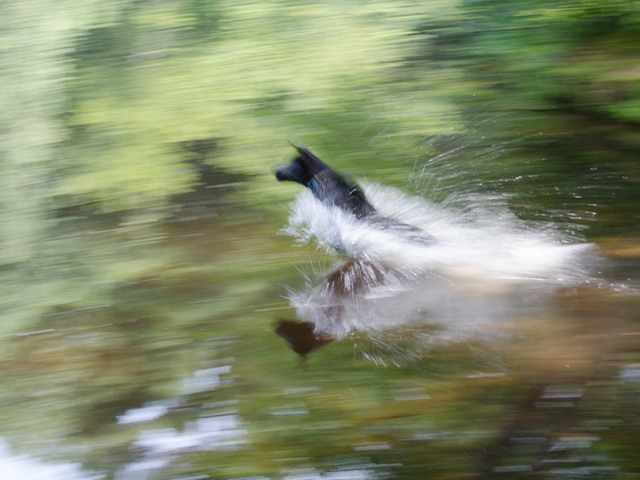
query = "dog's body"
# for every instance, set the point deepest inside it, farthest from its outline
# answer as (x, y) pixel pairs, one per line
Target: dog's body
(332, 189)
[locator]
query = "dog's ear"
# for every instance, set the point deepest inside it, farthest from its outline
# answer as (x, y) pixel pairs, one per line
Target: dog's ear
(309, 161)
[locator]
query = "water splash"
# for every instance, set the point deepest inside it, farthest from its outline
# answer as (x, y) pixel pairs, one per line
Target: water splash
(484, 265)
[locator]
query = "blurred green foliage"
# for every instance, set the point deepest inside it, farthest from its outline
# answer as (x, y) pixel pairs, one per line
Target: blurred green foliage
(101, 102)
(550, 98)
(552, 55)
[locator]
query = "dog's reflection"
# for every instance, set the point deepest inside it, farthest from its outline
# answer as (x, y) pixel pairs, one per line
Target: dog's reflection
(301, 336)
(427, 308)
(357, 295)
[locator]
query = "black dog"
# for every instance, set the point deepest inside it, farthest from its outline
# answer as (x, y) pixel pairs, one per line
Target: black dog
(326, 184)
(331, 188)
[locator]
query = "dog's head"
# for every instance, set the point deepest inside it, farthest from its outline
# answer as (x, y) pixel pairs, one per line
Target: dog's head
(302, 168)
(327, 185)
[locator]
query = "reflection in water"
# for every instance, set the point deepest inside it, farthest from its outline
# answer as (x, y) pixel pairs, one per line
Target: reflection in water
(212, 431)
(312, 474)
(484, 267)
(301, 336)
(162, 446)
(23, 467)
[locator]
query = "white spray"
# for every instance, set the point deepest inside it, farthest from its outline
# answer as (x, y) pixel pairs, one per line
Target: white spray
(483, 264)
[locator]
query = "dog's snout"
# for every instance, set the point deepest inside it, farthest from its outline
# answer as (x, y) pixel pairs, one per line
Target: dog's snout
(281, 174)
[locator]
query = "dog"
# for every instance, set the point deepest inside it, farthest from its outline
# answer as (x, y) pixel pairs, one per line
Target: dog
(332, 189)
(327, 185)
